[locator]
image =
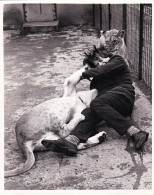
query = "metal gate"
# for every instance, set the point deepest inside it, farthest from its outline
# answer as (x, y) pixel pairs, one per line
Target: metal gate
(136, 20)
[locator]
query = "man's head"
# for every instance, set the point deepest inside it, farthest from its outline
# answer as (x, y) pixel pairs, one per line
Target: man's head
(92, 57)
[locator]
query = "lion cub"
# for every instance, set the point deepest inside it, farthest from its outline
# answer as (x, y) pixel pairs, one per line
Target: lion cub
(112, 42)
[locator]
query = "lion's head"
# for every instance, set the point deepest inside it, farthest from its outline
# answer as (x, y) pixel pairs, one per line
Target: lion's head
(112, 41)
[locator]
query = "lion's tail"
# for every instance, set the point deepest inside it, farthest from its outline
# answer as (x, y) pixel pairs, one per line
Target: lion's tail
(30, 160)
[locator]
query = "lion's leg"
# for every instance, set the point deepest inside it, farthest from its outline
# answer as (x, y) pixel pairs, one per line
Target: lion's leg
(65, 129)
(71, 82)
(92, 141)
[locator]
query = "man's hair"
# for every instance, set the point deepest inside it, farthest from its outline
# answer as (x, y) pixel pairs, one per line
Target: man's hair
(91, 57)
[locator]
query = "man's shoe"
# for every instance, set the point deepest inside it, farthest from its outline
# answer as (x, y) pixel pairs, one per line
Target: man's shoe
(61, 146)
(139, 139)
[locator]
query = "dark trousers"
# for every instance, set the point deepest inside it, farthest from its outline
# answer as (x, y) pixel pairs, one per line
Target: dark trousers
(109, 107)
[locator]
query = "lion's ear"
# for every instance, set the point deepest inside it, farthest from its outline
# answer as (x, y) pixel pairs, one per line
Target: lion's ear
(102, 32)
(121, 33)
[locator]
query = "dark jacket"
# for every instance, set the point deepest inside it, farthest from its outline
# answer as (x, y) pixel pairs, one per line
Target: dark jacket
(113, 77)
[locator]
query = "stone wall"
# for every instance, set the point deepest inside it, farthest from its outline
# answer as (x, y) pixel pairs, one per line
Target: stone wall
(68, 14)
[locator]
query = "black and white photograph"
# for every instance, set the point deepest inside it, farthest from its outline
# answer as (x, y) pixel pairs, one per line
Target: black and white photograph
(77, 96)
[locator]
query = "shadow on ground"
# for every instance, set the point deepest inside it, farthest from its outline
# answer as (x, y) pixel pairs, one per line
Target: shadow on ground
(35, 69)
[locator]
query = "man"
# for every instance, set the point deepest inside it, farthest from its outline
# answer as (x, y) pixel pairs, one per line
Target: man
(115, 101)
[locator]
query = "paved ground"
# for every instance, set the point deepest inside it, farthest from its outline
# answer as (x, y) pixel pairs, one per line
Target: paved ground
(35, 68)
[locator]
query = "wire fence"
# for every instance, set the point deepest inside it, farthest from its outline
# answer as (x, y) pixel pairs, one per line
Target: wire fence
(136, 20)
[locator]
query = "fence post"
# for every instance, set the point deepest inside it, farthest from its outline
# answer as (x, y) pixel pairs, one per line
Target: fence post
(93, 14)
(141, 41)
(109, 16)
(124, 25)
(100, 16)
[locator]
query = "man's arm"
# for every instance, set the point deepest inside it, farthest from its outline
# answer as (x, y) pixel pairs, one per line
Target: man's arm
(116, 62)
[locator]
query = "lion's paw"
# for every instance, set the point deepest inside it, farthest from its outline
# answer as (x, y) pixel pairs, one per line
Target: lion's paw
(82, 117)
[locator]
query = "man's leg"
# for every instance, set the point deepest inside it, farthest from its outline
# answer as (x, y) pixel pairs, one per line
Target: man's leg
(113, 108)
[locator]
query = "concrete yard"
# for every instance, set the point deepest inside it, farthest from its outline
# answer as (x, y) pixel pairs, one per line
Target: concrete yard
(35, 67)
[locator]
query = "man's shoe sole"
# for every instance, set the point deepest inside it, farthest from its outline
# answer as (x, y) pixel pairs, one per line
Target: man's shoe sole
(61, 149)
(141, 144)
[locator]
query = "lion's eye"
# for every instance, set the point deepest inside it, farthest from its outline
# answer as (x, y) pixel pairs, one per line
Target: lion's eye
(114, 41)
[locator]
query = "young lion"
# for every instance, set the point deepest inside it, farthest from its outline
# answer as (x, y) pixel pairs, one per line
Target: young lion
(112, 42)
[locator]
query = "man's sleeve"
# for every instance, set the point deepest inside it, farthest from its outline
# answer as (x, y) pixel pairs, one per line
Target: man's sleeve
(115, 63)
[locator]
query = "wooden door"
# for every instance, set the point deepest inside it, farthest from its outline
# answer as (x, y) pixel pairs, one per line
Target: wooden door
(40, 12)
